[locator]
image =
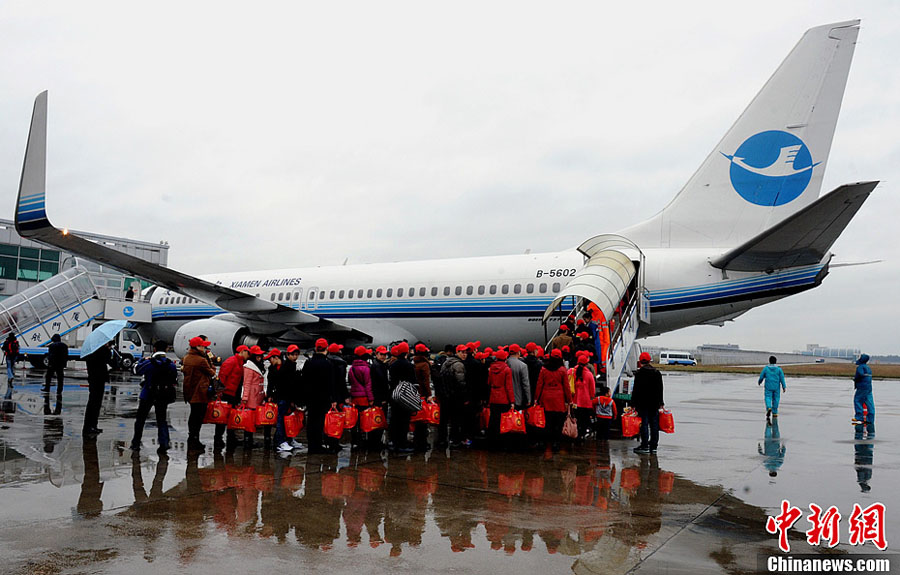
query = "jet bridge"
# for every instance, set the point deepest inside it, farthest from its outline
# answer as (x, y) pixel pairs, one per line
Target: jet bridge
(612, 278)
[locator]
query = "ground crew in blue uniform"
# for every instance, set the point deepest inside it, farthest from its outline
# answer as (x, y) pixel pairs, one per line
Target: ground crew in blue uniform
(774, 378)
(862, 381)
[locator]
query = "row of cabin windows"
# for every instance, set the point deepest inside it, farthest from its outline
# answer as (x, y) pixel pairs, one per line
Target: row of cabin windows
(447, 290)
(178, 300)
(389, 292)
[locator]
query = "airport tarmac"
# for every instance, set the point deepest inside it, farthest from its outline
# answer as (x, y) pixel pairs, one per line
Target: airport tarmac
(698, 506)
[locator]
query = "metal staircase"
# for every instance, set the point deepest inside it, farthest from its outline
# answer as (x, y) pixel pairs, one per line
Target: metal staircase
(62, 304)
(612, 278)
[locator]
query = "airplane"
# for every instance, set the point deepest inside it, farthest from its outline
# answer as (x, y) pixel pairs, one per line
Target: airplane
(748, 228)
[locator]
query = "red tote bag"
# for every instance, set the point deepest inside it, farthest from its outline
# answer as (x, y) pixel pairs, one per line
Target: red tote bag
(512, 421)
(351, 416)
(267, 414)
(217, 412)
(631, 425)
(372, 419)
(334, 424)
(666, 421)
(242, 418)
(420, 415)
(293, 423)
(536, 417)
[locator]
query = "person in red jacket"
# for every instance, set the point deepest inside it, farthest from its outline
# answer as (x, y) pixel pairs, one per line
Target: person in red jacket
(231, 375)
(585, 389)
(502, 397)
(553, 395)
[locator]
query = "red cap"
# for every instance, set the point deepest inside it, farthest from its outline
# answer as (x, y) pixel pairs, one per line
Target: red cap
(502, 355)
(556, 353)
(530, 346)
(381, 349)
(481, 355)
(563, 327)
(273, 352)
(198, 341)
(472, 345)
(584, 335)
(565, 348)
(293, 349)
(462, 347)
(583, 358)
(360, 350)
(400, 349)
(539, 352)
(477, 343)
(321, 344)
(335, 348)
(422, 348)
(645, 357)
(241, 348)
(488, 351)
(579, 322)
(514, 348)
(256, 350)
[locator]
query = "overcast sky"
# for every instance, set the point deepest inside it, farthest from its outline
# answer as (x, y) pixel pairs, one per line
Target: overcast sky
(262, 135)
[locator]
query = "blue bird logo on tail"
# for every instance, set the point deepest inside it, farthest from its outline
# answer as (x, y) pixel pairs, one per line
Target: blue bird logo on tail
(771, 168)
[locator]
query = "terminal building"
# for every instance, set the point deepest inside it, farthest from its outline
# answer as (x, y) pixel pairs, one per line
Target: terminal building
(24, 263)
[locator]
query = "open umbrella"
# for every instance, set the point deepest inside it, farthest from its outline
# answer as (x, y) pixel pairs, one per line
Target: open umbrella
(104, 333)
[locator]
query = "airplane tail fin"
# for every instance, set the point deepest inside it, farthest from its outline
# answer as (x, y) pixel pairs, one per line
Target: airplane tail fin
(770, 163)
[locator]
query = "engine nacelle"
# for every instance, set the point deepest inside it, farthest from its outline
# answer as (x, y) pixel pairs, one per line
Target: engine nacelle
(224, 336)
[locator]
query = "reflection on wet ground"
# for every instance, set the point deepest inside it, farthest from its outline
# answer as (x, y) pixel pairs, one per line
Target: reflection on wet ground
(68, 505)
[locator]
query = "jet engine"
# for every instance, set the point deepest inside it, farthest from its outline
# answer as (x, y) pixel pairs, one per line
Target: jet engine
(224, 336)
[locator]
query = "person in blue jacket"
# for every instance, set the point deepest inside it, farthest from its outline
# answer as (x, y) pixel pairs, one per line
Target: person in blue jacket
(862, 381)
(774, 378)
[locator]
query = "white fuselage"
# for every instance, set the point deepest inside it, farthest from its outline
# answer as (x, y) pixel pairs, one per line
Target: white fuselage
(495, 299)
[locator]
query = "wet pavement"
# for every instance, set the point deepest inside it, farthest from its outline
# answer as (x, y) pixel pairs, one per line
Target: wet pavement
(700, 505)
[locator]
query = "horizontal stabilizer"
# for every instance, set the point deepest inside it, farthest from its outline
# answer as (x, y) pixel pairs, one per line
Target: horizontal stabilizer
(803, 238)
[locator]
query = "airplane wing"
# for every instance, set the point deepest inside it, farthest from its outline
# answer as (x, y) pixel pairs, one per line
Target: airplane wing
(31, 222)
(803, 238)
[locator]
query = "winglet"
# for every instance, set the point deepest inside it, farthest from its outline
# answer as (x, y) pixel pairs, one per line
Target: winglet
(31, 214)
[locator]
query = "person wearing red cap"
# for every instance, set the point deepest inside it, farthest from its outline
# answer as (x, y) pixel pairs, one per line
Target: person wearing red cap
(521, 383)
(231, 375)
(478, 391)
(585, 389)
(284, 390)
(553, 395)
(400, 370)
(450, 390)
(381, 392)
(340, 366)
(361, 395)
(322, 393)
(422, 364)
(198, 374)
(502, 397)
(562, 339)
(253, 394)
(647, 399)
(533, 362)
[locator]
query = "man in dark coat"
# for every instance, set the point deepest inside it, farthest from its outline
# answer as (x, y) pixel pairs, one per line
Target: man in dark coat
(322, 394)
(400, 370)
(57, 357)
(157, 388)
(98, 364)
(647, 399)
(534, 365)
(381, 390)
(453, 397)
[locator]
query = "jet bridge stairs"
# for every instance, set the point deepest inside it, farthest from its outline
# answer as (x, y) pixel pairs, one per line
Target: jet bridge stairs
(612, 278)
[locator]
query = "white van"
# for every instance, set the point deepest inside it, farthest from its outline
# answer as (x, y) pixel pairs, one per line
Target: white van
(676, 358)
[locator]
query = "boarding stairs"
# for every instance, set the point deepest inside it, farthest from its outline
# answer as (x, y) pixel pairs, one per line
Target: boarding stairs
(612, 278)
(65, 303)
